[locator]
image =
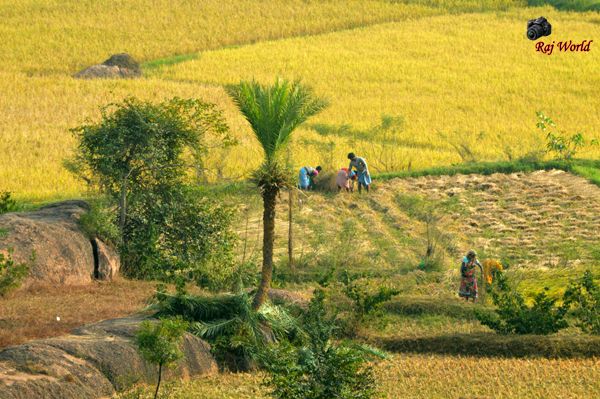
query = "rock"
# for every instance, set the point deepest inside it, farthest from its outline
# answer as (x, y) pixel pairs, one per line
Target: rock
(107, 260)
(125, 62)
(62, 252)
(95, 361)
(116, 67)
(36, 370)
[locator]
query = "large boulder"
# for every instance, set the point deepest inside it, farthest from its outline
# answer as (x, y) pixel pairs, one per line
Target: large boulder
(95, 361)
(52, 241)
(117, 66)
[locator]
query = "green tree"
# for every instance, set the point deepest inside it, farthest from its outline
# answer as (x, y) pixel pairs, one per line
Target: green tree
(140, 145)
(160, 343)
(143, 156)
(273, 113)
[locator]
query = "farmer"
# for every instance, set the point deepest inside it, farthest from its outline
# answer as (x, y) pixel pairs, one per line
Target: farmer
(468, 282)
(362, 170)
(306, 177)
(345, 180)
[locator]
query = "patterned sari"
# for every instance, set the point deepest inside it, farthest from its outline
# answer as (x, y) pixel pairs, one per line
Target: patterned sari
(468, 282)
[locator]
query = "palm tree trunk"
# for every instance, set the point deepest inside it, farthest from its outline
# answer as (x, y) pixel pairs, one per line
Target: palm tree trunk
(269, 202)
(291, 231)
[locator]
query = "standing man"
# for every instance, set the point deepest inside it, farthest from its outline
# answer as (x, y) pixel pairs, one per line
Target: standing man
(306, 177)
(362, 170)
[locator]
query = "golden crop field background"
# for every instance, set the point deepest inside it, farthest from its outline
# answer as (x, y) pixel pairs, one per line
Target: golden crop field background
(433, 376)
(441, 78)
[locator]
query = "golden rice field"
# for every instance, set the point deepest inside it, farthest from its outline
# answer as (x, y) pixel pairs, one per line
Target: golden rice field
(444, 79)
(423, 376)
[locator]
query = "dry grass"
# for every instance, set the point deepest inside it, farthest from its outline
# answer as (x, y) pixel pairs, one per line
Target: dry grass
(31, 313)
(421, 376)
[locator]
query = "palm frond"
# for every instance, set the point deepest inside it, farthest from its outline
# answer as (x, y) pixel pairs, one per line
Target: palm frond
(275, 111)
(214, 329)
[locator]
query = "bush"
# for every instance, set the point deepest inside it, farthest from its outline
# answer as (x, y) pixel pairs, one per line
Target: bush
(513, 316)
(316, 367)
(7, 204)
(159, 343)
(584, 297)
(364, 302)
(564, 147)
(179, 234)
(100, 222)
(11, 273)
(236, 331)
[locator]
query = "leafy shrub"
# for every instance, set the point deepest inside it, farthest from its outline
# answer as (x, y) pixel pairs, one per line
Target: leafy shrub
(316, 367)
(100, 222)
(7, 204)
(178, 233)
(584, 297)
(159, 343)
(365, 303)
(11, 273)
(564, 147)
(236, 331)
(513, 316)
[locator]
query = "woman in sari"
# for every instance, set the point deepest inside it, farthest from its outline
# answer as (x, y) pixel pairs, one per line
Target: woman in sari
(468, 282)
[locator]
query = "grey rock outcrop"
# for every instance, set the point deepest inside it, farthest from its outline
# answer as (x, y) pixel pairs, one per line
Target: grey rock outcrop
(94, 361)
(52, 241)
(117, 66)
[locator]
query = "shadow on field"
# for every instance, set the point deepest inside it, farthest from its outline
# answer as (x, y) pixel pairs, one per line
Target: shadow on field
(493, 345)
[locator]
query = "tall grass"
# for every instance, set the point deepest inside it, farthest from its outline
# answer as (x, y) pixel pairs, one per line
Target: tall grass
(62, 36)
(463, 92)
(454, 84)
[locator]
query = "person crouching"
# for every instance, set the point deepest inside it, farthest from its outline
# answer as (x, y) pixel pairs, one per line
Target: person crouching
(306, 177)
(345, 180)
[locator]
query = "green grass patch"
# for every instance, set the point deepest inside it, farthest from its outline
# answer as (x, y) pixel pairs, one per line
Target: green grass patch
(418, 306)
(494, 345)
(568, 5)
(165, 62)
(587, 168)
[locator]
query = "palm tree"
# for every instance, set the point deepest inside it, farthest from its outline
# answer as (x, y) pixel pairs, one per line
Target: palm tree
(273, 113)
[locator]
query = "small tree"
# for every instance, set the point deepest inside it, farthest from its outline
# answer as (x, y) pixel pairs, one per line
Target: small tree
(564, 147)
(273, 112)
(317, 367)
(139, 145)
(159, 343)
(143, 155)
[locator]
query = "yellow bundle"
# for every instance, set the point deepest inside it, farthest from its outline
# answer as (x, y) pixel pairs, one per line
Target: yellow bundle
(489, 267)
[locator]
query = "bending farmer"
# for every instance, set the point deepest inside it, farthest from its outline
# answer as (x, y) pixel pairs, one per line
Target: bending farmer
(306, 177)
(362, 170)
